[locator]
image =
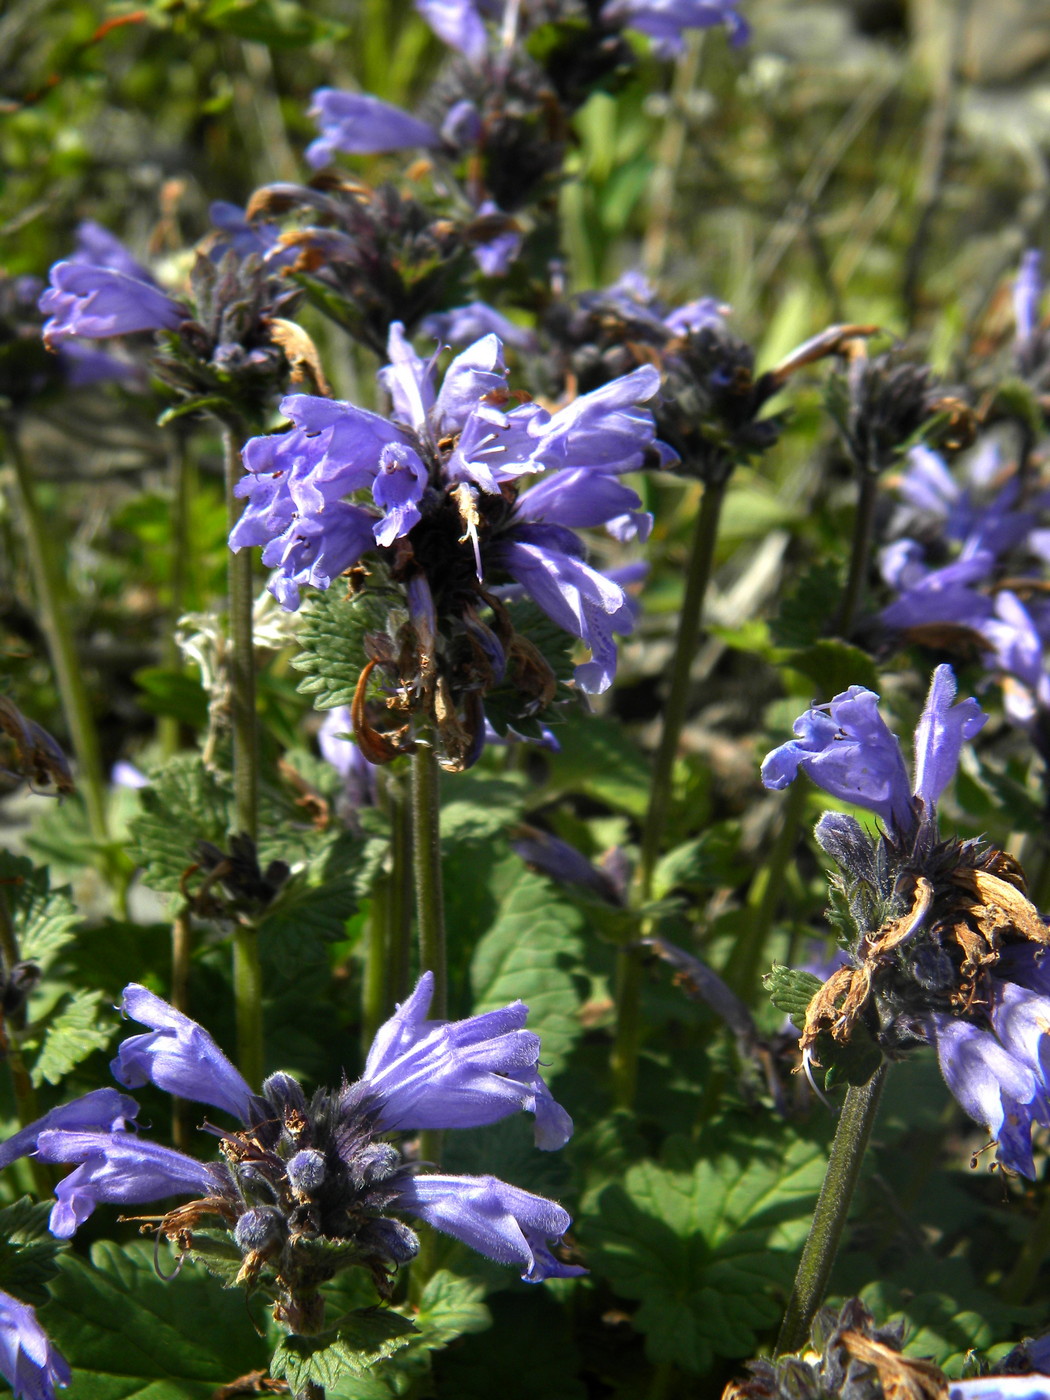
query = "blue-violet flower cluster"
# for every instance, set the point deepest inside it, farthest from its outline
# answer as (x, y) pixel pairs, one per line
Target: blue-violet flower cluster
(948, 948)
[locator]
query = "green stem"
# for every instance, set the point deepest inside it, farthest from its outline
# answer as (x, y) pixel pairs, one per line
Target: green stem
(860, 555)
(373, 989)
(55, 616)
(847, 1153)
(426, 861)
(1036, 1246)
(181, 947)
(399, 932)
(247, 972)
(767, 890)
(26, 1106)
(629, 960)
(430, 917)
(183, 477)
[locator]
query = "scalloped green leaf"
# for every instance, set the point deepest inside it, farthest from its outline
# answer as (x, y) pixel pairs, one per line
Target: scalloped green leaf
(791, 990)
(355, 1344)
(707, 1243)
(28, 1250)
(130, 1335)
(186, 802)
(44, 919)
(332, 635)
(527, 953)
(71, 1034)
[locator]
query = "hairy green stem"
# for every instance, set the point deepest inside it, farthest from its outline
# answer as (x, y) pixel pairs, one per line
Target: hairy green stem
(247, 972)
(629, 960)
(53, 601)
(183, 480)
(860, 554)
(399, 929)
(836, 1194)
(426, 861)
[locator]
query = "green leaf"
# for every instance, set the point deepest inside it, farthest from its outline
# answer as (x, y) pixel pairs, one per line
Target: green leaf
(523, 955)
(173, 693)
(450, 1307)
(707, 1245)
(353, 1345)
(804, 613)
(44, 919)
(791, 990)
(834, 666)
(186, 802)
(478, 806)
(600, 759)
(128, 1333)
(332, 634)
(305, 917)
(707, 861)
(945, 1311)
(276, 22)
(28, 1250)
(71, 1035)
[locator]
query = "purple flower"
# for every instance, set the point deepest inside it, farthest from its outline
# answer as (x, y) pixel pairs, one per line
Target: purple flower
(338, 749)
(28, 1361)
(97, 247)
(1001, 1388)
(116, 1168)
(496, 254)
(665, 20)
(846, 748)
(358, 125)
(459, 446)
(458, 23)
(459, 1074)
(178, 1056)
(104, 1110)
(992, 1086)
(96, 302)
(500, 1221)
(1028, 291)
(468, 323)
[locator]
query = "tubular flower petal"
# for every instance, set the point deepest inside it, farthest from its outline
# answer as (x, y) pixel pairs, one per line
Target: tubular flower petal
(499, 1221)
(459, 1074)
(103, 1109)
(942, 730)
(178, 1056)
(358, 125)
(847, 749)
(28, 1361)
(118, 1168)
(98, 302)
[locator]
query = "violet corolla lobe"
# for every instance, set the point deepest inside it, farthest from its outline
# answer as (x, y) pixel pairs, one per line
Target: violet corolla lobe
(31, 1365)
(947, 947)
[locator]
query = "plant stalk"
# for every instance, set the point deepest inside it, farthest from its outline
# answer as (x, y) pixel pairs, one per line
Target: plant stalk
(860, 554)
(53, 600)
(629, 960)
(426, 860)
(183, 477)
(399, 929)
(11, 1027)
(836, 1194)
(247, 972)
